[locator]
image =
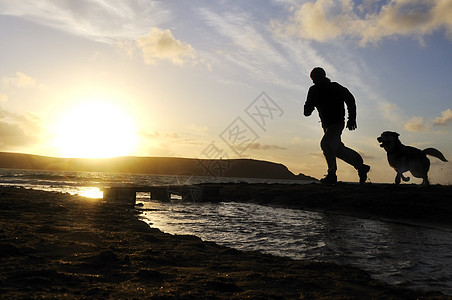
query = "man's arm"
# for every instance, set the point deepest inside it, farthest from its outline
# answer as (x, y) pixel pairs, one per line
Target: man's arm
(351, 108)
(309, 104)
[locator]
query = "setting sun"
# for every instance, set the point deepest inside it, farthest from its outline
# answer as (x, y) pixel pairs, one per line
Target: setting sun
(95, 129)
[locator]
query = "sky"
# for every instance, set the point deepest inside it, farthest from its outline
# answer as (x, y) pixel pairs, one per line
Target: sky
(223, 79)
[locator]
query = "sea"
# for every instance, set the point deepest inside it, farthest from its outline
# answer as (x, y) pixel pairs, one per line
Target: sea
(404, 255)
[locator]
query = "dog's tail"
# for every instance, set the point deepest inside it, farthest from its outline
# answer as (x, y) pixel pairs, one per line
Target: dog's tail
(435, 153)
(405, 178)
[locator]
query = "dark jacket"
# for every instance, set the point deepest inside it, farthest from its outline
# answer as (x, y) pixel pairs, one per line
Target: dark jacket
(329, 98)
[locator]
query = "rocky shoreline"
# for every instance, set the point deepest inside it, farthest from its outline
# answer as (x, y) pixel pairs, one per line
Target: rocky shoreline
(54, 245)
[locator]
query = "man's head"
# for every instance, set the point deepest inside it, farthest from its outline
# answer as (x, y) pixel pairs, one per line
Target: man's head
(318, 74)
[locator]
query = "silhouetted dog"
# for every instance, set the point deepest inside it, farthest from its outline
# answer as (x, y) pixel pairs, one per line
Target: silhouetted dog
(406, 158)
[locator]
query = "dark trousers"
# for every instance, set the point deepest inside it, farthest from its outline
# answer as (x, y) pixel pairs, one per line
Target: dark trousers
(333, 147)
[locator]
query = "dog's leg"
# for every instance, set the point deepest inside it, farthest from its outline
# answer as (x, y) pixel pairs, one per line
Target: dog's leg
(397, 178)
(405, 178)
(400, 176)
(425, 182)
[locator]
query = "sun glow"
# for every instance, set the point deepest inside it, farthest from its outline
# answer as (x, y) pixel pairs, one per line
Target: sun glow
(91, 192)
(95, 129)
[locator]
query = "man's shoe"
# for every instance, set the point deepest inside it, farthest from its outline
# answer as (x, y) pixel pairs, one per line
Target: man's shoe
(362, 173)
(329, 179)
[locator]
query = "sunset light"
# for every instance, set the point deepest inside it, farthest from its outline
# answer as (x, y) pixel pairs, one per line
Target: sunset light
(95, 129)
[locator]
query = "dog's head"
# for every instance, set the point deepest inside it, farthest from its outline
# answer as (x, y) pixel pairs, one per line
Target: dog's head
(388, 140)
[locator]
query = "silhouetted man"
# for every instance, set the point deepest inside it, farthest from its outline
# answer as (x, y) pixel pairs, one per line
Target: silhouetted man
(329, 98)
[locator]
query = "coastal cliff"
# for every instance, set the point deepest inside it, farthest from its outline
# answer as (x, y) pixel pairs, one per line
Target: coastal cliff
(245, 168)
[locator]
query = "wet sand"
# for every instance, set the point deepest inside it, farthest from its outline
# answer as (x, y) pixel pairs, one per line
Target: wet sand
(55, 245)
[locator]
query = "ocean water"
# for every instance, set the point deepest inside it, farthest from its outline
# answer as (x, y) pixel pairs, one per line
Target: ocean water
(90, 184)
(409, 256)
(416, 257)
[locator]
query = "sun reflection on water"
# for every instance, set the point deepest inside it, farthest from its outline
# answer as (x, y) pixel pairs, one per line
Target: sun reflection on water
(91, 192)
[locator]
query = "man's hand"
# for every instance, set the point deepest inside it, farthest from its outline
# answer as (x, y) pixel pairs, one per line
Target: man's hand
(351, 124)
(307, 111)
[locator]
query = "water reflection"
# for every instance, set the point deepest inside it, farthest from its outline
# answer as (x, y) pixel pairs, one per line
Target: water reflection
(90, 192)
(405, 255)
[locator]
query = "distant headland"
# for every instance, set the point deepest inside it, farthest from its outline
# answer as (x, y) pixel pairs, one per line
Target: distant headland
(244, 168)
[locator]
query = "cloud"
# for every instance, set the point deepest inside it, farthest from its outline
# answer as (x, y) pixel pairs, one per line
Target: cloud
(169, 137)
(312, 21)
(18, 130)
(249, 44)
(303, 141)
(245, 33)
(12, 135)
(160, 45)
(21, 80)
(416, 124)
(389, 111)
(324, 20)
(296, 141)
(105, 21)
(259, 146)
(158, 135)
(201, 130)
(445, 119)
(3, 97)
(243, 150)
(317, 155)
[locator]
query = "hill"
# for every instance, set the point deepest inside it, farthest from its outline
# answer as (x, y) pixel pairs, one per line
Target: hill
(245, 168)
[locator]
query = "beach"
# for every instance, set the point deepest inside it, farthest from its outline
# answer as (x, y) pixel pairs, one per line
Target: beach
(55, 245)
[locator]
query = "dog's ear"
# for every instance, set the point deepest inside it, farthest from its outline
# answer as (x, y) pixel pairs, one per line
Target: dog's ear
(396, 134)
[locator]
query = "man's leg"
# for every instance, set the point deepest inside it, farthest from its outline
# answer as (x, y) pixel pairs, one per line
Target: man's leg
(329, 145)
(350, 156)
(353, 158)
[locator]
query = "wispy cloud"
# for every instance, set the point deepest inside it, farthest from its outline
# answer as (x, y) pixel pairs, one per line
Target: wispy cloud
(368, 22)
(169, 137)
(128, 24)
(248, 43)
(242, 30)
(200, 130)
(169, 143)
(105, 21)
(390, 111)
(416, 124)
(259, 146)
